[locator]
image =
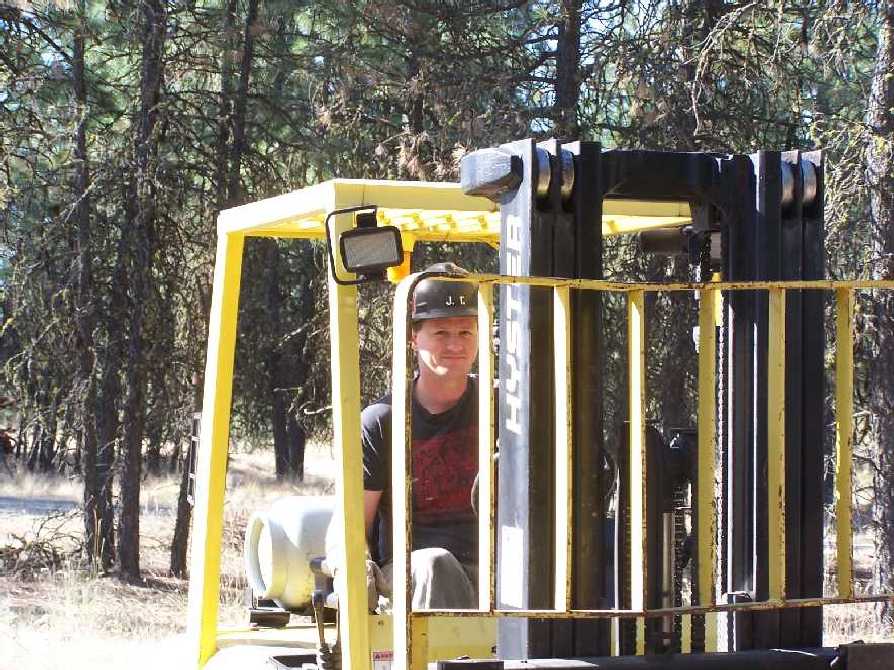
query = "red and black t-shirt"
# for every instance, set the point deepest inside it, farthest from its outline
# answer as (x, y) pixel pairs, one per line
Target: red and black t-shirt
(445, 463)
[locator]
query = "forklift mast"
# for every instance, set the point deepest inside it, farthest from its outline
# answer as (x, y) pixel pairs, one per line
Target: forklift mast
(765, 214)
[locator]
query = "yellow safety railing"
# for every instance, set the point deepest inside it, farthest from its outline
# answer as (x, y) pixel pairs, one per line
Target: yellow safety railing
(410, 626)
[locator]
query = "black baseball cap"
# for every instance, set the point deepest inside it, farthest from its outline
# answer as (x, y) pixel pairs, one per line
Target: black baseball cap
(437, 299)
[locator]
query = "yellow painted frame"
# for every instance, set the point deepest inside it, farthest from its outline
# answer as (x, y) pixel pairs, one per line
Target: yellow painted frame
(776, 445)
(211, 463)
(707, 432)
(564, 411)
(486, 441)
(423, 211)
(844, 438)
(636, 384)
(409, 640)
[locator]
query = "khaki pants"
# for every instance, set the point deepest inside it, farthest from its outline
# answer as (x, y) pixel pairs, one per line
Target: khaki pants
(440, 581)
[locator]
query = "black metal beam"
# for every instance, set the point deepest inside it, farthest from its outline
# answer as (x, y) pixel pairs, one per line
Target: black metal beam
(590, 587)
(738, 402)
(773, 659)
(779, 243)
(813, 405)
(767, 265)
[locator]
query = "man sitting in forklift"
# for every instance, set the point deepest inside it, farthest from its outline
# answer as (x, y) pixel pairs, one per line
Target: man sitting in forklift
(444, 452)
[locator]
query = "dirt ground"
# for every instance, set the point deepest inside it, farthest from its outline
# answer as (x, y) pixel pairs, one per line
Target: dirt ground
(66, 617)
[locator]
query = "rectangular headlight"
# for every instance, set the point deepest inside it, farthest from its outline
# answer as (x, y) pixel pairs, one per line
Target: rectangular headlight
(371, 250)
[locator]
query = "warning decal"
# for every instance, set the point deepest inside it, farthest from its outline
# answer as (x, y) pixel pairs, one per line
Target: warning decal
(381, 660)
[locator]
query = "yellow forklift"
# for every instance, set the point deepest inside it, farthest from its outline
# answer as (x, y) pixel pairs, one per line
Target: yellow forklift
(563, 580)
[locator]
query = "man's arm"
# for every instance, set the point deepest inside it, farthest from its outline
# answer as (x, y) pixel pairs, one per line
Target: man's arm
(370, 507)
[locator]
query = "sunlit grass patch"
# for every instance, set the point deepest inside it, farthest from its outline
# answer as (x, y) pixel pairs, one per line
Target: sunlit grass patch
(849, 623)
(27, 484)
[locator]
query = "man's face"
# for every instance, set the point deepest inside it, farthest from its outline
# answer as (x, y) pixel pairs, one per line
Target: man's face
(447, 348)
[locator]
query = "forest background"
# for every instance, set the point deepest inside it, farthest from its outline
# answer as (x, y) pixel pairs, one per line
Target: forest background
(125, 127)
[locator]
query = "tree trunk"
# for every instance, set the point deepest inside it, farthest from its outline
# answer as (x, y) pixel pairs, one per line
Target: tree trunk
(111, 361)
(282, 369)
(568, 74)
(66, 432)
(84, 318)
(76, 464)
(240, 106)
(698, 20)
(416, 151)
(880, 177)
(228, 181)
(277, 367)
(176, 452)
(299, 371)
(36, 441)
(297, 439)
(416, 103)
(180, 541)
(164, 409)
(278, 420)
(142, 194)
(276, 364)
(153, 449)
(48, 437)
(224, 109)
(21, 441)
(95, 462)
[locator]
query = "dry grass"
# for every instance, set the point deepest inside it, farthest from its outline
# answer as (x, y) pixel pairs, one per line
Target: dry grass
(26, 484)
(63, 615)
(848, 623)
